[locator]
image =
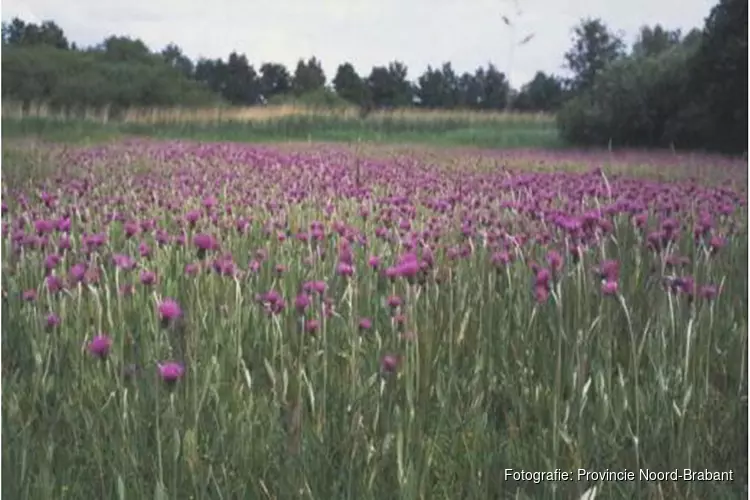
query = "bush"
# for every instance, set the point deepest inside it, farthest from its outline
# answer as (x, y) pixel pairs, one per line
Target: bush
(635, 102)
(73, 80)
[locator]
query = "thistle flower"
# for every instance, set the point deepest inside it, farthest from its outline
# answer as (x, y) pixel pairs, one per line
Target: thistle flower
(344, 269)
(100, 345)
(123, 262)
(301, 303)
(311, 325)
(204, 242)
(609, 287)
(148, 278)
(541, 294)
(554, 261)
(394, 301)
(365, 324)
(52, 321)
(388, 364)
(171, 372)
(169, 310)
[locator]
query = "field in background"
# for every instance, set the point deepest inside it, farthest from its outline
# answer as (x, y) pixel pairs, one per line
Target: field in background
(287, 123)
(197, 320)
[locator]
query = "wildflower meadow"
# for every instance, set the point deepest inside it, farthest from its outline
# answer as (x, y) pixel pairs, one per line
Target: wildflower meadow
(185, 320)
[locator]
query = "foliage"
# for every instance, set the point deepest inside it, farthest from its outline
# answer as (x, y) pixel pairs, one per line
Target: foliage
(718, 77)
(308, 77)
(543, 93)
(670, 91)
(350, 86)
(594, 48)
(635, 102)
(73, 80)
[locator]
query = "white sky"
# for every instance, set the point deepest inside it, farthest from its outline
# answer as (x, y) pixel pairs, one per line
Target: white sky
(469, 33)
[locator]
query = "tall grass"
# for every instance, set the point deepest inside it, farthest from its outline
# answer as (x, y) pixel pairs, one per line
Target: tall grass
(288, 122)
(471, 375)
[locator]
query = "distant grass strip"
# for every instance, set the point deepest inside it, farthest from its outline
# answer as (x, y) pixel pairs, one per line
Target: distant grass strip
(449, 131)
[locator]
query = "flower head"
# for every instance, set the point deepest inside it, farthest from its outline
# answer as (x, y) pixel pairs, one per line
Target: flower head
(169, 310)
(365, 324)
(388, 364)
(53, 320)
(609, 287)
(170, 372)
(99, 346)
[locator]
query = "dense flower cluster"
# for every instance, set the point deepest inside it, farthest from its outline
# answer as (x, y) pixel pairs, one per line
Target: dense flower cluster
(310, 224)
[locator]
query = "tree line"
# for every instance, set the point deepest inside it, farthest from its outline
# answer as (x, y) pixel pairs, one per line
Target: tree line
(667, 89)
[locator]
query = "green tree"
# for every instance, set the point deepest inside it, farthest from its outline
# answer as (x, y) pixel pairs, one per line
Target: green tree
(18, 32)
(718, 76)
(543, 93)
(308, 76)
(212, 73)
(241, 86)
(594, 48)
(125, 49)
(349, 85)
(274, 80)
(470, 89)
(389, 86)
(496, 88)
(652, 41)
(174, 57)
(439, 88)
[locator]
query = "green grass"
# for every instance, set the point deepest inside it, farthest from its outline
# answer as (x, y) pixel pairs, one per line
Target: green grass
(489, 379)
(444, 132)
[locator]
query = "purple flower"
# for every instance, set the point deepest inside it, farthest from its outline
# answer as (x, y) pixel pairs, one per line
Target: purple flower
(708, 292)
(365, 324)
(717, 243)
(311, 325)
(171, 372)
(542, 278)
(394, 301)
(192, 269)
(54, 284)
(555, 261)
(408, 266)
(168, 310)
(53, 321)
(124, 262)
(148, 278)
(99, 346)
(301, 303)
(192, 217)
(388, 364)
(541, 293)
(344, 269)
(204, 242)
(144, 250)
(608, 270)
(609, 287)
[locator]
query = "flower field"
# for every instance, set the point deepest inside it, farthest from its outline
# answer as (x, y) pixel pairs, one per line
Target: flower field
(201, 320)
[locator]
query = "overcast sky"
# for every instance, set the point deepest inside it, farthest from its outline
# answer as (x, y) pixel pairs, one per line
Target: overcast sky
(469, 33)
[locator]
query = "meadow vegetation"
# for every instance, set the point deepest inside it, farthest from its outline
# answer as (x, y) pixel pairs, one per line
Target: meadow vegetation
(287, 122)
(212, 320)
